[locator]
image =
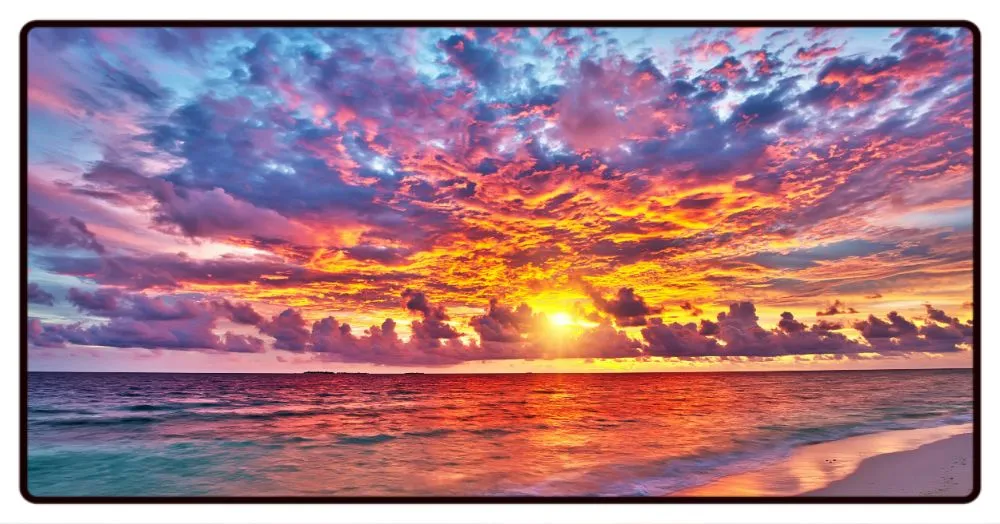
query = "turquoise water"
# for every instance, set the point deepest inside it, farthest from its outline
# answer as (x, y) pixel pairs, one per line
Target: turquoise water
(127, 434)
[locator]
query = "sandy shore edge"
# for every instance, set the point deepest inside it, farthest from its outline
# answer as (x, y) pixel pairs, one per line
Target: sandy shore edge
(939, 469)
(924, 462)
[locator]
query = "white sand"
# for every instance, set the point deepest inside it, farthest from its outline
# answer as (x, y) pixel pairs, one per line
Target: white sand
(918, 462)
(938, 469)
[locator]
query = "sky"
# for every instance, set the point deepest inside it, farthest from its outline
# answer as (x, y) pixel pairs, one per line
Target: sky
(499, 199)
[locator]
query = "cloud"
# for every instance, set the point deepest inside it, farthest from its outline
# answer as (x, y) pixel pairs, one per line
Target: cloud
(897, 334)
(288, 329)
(196, 333)
(241, 313)
(37, 295)
(135, 320)
(46, 230)
(938, 315)
(788, 324)
(331, 170)
(417, 301)
(853, 81)
(692, 309)
(328, 339)
(955, 328)
(381, 254)
(502, 324)
(477, 61)
(233, 343)
(894, 326)
(103, 302)
(605, 342)
(198, 213)
(433, 326)
(837, 308)
(627, 308)
(673, 340)
(706, 49)
(816, 51)
(138, 321)
(827, 325)
(742, 336)
(432, 329)
(174, 270)
(813, 256)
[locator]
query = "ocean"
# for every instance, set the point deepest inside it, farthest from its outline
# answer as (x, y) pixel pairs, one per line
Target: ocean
(150, 434)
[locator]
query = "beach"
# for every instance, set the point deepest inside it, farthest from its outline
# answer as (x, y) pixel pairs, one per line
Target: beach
(938, 469)
(926, 462)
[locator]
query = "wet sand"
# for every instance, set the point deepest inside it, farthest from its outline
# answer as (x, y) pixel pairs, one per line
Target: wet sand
(911, 463)
(938, 469)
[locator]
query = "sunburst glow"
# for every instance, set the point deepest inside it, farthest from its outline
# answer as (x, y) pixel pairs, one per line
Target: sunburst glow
(561, 319)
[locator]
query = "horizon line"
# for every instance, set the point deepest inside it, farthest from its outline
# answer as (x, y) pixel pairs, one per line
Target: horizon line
(324, 372)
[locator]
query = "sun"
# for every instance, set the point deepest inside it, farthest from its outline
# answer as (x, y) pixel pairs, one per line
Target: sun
(561, 319)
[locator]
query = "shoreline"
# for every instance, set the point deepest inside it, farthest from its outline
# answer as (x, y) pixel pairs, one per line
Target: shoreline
(940, 469)
(904, 463)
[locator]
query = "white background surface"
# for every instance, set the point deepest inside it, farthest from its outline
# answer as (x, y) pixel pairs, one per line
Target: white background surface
(17, 12)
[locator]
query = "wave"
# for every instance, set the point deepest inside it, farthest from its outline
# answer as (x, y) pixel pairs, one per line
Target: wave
(188, 412)
(100, 421)
(492, 432)
(60, 411)
(439, 432)
(680, 473)
(147, 407)
(365, 439)
(401, 392)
